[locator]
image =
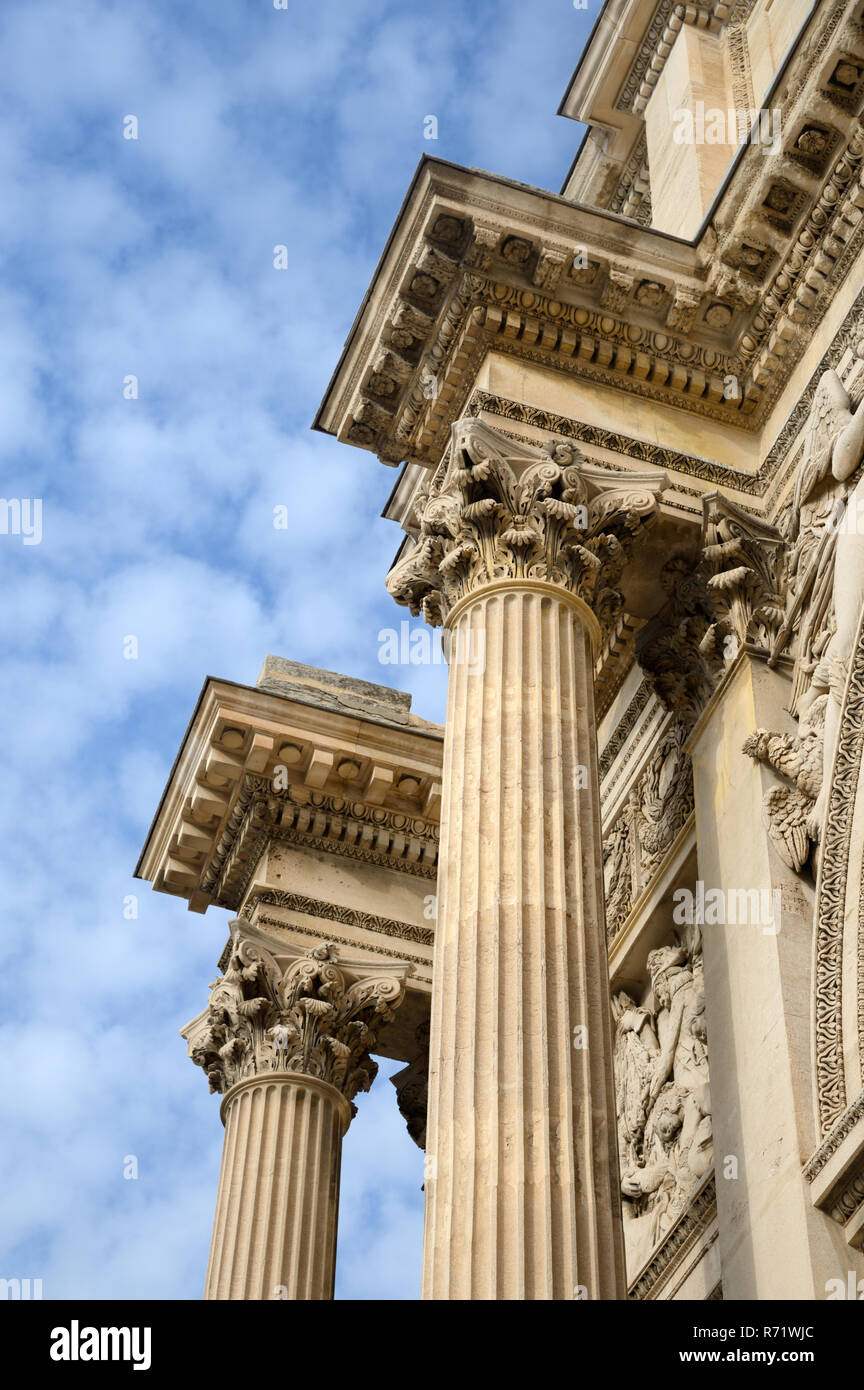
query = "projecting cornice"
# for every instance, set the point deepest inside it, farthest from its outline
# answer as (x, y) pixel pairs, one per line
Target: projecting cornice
(612, 85)
(714, 326)
(331, 765)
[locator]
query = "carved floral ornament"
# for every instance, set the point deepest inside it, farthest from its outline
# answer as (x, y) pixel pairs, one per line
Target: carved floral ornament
(306, 1017)
(728, 596)
(506, 510)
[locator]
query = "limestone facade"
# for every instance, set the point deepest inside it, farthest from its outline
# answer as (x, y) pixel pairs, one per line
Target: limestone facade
(629, 429)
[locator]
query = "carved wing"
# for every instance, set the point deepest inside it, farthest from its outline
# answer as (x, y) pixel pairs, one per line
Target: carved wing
(786, 811)
(829, 414)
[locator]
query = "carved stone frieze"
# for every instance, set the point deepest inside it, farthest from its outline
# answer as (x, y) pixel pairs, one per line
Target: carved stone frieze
(657, 809)
(690, 1228)
(306, 1017)
(618, 874)
(663, 799)
(334, 912)
(663, 1100)
(507, 511)
(624, 728)
(642, 450)
(824, 601)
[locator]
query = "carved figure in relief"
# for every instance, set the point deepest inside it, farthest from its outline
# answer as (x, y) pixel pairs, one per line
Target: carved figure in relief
(799, 758)
(617, 875)
(636, 1048)
(825, 599)
(679, 992)
(664, 1103)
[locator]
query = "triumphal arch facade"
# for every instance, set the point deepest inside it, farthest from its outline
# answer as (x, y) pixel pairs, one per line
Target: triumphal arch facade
(609, 916)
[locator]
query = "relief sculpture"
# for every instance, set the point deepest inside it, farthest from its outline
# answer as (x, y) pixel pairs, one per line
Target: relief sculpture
(825, 593)
(663, 1098)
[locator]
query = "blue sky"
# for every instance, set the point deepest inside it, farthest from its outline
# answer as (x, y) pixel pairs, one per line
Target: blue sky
(153, 257)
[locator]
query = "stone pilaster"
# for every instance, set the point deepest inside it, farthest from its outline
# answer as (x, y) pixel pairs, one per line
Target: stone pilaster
(519, 555)
(288, 1046)
(758, 964)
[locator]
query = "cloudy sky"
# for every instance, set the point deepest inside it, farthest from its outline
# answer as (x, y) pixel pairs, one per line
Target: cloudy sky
(153, 258)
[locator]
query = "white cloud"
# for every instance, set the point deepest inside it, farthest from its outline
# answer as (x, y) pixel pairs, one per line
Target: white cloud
(154, 258)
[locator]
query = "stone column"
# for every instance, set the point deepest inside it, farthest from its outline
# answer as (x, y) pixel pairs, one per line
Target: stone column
(274, 1235)
(522, 1191)
(289, 1048)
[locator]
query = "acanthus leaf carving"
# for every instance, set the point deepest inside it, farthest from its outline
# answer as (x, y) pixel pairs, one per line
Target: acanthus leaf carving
(506, 510)
(681, 650)
(309, 1017)
(743, 561)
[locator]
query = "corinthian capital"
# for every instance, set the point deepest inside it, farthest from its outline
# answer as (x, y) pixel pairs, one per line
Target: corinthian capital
(300, 1015)
(743, 561)
(505, 510)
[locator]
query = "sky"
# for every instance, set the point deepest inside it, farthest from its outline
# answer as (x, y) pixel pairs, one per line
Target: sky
(158, 377)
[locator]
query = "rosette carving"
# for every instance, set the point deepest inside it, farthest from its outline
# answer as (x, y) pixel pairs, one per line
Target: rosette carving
(505, 510)
(307, 1017)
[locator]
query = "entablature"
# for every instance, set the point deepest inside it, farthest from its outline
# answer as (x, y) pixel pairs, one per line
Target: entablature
(335, 766)
(713, 328)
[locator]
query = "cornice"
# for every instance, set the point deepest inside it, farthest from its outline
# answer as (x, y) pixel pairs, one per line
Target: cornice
(313, 820)
(669, 19)
(478, 261)
(257, 766)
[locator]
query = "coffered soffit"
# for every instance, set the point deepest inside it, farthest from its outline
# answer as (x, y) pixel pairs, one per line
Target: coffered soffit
(477, 262)
(252, 761)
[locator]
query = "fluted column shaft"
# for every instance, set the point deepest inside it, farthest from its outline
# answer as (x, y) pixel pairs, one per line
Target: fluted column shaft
(522, 1197)
(274, 1234)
